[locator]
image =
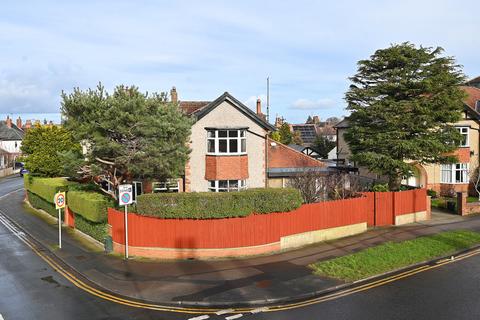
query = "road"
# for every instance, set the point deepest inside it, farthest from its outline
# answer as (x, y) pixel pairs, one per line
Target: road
(31, 289)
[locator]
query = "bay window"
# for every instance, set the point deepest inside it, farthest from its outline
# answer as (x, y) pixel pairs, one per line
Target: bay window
(454, 173)
(226, 141)
(227, 185)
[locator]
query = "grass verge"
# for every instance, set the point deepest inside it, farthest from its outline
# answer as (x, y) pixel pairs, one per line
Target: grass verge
(394, 255)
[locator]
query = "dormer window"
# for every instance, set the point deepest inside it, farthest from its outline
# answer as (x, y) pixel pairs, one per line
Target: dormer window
(465, 133)
(226, 141)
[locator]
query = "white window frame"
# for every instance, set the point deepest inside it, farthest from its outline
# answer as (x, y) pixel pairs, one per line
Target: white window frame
(137, 186)
(214, 186)
(213, 135)
(465, 131)
(448, 173)
(171, 185)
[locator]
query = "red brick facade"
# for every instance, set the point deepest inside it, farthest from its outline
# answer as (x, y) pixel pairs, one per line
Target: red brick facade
(226, 167)
(463, 154)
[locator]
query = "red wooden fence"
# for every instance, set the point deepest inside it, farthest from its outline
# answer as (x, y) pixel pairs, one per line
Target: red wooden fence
(375, 208)
(387, 205)
(253, 230)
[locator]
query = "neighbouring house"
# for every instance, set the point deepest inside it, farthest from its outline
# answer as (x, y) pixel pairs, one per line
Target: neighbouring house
(230, 150)
(11, 136)
(443, 178)
(308, 150)
(474, 83)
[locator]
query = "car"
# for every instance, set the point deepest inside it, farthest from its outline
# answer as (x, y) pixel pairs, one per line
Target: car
(23, 171)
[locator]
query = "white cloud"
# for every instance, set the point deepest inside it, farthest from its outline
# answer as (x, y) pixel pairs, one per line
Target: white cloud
(306, 104)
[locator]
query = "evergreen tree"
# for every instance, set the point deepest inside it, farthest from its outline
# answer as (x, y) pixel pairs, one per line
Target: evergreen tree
(323, 146)
(43, 146)
(128, 134)
(404, 101)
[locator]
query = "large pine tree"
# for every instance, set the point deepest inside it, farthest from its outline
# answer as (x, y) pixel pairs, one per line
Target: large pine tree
(404, 101)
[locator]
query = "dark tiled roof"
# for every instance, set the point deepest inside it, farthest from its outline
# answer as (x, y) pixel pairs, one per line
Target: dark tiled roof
(13, 133)
(308, 132)
(474, 82)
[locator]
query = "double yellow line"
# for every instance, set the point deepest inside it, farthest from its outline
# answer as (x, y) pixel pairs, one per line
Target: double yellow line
(110, 297)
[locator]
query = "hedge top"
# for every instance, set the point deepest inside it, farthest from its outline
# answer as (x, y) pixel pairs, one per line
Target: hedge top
(211, 205)
(46, 187)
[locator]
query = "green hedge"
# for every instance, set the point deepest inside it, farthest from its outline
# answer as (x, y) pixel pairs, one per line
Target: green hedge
(97, 231)
(45, 187)
(212, 205)
(39, 203)
(90, 205)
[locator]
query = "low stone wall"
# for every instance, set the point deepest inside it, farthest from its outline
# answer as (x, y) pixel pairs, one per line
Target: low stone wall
(411, 218)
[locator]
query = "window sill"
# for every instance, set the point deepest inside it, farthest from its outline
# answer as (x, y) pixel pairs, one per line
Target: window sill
(226, 154)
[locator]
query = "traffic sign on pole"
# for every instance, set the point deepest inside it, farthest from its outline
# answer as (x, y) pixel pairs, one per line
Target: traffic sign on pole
(125, 197)
(60, 200)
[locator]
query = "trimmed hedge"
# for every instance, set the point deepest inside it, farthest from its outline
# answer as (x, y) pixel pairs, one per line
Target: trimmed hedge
(213, 205)
(90, 205)
(98, 231)
(39, 203)
(45, 187)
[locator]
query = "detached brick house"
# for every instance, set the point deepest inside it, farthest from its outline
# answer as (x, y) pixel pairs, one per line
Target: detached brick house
(443, 178)
(11, 137)
(230, 149)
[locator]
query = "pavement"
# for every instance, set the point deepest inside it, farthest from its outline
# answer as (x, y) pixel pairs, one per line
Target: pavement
(261, 280)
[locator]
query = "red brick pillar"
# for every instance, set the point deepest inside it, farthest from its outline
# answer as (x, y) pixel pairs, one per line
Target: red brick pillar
(462, 203)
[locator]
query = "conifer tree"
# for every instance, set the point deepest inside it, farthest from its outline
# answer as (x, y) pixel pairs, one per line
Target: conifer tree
(404, 101)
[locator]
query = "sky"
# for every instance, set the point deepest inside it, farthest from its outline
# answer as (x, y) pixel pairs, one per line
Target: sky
(204, 48)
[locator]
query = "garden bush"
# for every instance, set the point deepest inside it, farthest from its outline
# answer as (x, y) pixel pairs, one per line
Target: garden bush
(98, 231)
(39, 203)
(90, 205)
(212, 205)
(432, 193)
(46, 187)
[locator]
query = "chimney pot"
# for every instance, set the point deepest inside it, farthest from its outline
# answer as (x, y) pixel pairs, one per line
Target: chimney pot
(19, 122)
(8, 122)
(259, 107)
(173, 95)
(28, 124)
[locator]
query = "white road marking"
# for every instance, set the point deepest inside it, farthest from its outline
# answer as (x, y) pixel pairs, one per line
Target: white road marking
(258, 310)
(200, 317)
(6, 195)
(224, 311)
(236, 316)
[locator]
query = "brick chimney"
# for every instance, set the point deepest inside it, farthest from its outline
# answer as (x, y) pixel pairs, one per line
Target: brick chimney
(28, 124)
(8, 122)
(173, 95)
(259, 107)
(19, 122)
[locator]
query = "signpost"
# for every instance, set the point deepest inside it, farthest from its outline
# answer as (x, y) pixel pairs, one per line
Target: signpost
(125, 197)
(60, 200)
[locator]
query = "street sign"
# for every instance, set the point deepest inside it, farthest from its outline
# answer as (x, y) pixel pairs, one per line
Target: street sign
(59, 200)
(125, 194)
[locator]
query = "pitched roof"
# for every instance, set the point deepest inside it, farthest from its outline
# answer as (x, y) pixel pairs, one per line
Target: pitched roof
(282, 156)
(13, 133)
(190, 107)
(474, 81)
(473, 96)
(203, 111)
(308, 131)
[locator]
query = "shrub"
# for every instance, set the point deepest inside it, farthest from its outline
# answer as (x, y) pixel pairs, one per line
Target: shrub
(40, 203)
(380, 188)
(90, 205)
(98, 231)
(46, 187)
(431, 193)
(210, 205)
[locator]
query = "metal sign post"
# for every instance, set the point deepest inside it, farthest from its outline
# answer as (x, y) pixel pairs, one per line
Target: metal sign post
(60, 200)
(125, 197)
